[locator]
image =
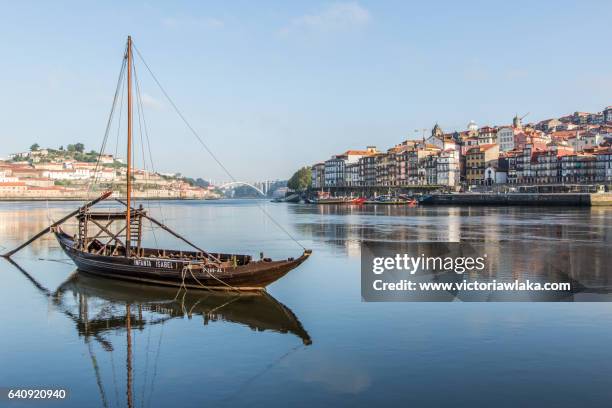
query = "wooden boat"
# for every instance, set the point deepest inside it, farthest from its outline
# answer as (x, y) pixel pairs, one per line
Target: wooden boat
(109, 243)
(324, 197)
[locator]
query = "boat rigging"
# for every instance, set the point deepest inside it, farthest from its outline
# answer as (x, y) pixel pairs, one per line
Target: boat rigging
(110, 244)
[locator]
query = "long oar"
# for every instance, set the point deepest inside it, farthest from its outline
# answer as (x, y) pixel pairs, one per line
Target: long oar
(55, 224)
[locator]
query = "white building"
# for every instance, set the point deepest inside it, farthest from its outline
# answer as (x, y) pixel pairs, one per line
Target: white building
(505, 138)
(447, 168)
(318, 175)
(493, 175)
(105, 174)
(585, 141)
(351, 175)
(487, 135)
(6, 178)
(64, 175)
(335, 167)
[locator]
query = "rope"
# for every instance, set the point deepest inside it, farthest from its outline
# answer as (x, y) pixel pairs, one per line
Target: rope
(108, 125)
(119, 126)
(141, 115)
(212, 276)
(188, 267)
(210, 152)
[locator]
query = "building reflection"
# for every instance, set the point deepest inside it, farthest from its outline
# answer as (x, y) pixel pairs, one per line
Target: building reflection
(540, 244)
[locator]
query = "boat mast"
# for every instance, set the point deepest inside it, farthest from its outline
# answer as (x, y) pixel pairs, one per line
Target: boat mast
(128, 244)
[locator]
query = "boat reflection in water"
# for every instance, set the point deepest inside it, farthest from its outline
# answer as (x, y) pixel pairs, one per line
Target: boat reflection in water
(257, 310)
(101, 308)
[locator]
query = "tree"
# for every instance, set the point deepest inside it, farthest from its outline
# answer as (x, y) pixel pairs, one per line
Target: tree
(34, 147)
(79, 147)
(71, 148)
(300, 180)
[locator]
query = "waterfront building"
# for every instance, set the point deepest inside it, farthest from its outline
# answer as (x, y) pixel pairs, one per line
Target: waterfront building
(546, 163)
(334, 171)
(603, 165)
(318, 175)
(526, 169)
(578, 168)
(511, 160)
(495, 175)
(448, 168)
(12, 188)
(416, 165)
(385, 169)
(477, 160)
(412, 158)
(336, 166)
(367, 169)
(430, 166)
(352, 176)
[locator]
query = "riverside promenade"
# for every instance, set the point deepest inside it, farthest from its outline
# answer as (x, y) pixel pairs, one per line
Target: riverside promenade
(531, 199)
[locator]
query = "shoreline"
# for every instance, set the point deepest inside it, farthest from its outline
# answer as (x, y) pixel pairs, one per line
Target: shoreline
(32, 199)
(521, 199)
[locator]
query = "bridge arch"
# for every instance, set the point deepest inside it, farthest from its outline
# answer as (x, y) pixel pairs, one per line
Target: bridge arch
(240, 183)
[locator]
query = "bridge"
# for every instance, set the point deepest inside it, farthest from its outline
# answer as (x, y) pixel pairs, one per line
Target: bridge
(239, 183)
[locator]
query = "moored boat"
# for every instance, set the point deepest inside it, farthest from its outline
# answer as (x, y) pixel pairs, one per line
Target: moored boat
(109, 243)
(393, 200)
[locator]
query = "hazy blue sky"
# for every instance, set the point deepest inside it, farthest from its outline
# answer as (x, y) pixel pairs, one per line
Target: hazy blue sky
(273, 86)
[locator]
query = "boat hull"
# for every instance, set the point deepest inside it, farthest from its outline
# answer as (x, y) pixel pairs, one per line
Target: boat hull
(255, 275)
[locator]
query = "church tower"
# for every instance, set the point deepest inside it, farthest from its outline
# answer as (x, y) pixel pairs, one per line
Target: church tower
(516, 122)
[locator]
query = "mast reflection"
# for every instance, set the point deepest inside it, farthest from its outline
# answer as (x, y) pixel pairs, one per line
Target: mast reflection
(102, 307)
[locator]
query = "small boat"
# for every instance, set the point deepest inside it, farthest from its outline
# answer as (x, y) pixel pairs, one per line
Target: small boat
(293, 198)
(359, 200)
(393, 200)
(423, 199)
(109, 243)
(324, 197)
(332, 200)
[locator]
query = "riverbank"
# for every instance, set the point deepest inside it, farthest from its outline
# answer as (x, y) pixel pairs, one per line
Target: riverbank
(80, 198)
(529, 199)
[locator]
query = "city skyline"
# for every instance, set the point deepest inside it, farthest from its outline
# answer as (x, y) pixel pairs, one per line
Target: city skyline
(272, 86)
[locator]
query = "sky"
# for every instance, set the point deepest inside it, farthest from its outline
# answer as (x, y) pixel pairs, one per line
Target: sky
(273, 86)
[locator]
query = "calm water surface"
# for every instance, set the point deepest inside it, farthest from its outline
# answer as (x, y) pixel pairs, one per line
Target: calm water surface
(311, 341)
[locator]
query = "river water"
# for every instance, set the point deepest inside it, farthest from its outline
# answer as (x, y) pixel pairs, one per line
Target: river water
(311, 341)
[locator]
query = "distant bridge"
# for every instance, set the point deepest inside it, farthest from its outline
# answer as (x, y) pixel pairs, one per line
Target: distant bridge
(240, 183)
